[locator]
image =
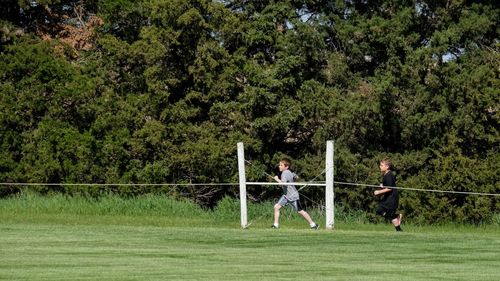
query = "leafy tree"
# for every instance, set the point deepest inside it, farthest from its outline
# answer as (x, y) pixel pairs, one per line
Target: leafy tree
(161, 91)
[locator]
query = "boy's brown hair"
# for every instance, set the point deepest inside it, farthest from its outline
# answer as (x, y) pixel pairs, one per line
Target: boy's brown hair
(387, 162)
(286, 161)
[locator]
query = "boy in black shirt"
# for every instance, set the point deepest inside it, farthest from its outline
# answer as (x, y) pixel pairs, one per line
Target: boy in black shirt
(390, 197)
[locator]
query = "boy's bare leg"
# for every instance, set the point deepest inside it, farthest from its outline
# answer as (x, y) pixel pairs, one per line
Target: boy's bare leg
(277, 208)
(306, 216)
(397, 223)
(397, 220)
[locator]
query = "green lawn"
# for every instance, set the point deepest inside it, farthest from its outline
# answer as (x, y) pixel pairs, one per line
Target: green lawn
(93, 247)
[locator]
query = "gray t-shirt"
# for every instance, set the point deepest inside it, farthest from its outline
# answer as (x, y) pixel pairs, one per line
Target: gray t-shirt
(291, 192)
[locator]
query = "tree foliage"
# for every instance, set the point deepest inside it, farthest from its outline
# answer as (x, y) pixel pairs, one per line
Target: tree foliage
(159, 91)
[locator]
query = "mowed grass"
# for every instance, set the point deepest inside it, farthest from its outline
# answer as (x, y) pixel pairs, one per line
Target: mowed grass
(39, 243)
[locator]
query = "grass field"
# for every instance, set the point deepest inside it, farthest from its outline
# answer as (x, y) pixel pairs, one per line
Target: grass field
(40, 243)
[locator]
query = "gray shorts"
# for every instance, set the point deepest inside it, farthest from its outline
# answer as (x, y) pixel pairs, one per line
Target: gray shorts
(294, 204)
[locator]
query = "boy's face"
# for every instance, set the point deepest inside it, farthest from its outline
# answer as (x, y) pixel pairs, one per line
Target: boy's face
(282, 166)
(383, 167)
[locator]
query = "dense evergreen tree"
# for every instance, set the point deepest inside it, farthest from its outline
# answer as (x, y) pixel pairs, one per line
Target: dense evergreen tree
(156, 91)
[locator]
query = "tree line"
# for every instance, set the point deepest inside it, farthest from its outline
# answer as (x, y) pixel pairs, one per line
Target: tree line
(153, 91)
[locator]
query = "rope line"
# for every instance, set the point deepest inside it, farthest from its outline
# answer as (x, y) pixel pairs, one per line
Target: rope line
(262, 171)
(116, 184)
(419, 189)
(303, 184)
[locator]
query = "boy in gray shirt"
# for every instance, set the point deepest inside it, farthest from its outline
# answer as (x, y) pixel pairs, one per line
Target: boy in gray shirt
(290, 195)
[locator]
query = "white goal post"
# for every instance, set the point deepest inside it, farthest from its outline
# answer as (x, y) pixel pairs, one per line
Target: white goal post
(329, 191)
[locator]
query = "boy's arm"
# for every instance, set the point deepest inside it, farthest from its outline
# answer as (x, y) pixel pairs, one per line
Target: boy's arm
(381, 191)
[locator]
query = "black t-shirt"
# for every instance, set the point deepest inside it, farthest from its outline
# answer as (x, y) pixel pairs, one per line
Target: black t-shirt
(390, 199)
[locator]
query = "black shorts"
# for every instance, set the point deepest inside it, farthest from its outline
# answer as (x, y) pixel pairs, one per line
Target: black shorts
(387, 213)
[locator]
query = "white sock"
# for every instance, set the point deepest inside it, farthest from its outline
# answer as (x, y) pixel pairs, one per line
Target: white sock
(276, 224)
(312, 224)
